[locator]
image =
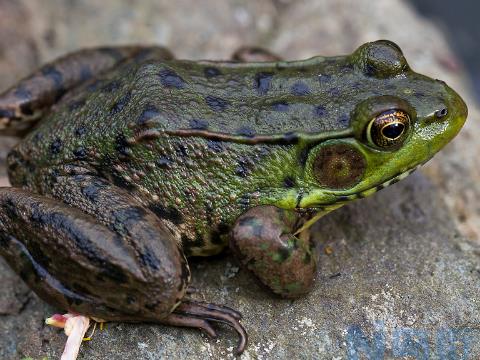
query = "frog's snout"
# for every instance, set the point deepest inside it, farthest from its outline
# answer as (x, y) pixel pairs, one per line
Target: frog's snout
(457, 107)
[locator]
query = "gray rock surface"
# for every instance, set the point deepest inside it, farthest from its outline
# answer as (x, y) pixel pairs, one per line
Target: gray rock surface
(403, 274)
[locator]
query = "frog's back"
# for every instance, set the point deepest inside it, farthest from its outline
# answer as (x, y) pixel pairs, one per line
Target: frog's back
(218, 97)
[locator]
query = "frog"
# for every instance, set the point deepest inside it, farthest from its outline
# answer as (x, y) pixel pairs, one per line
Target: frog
(131, 162)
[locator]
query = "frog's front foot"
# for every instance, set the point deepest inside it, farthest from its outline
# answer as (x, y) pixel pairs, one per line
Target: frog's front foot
(265, 242)
(200, 315)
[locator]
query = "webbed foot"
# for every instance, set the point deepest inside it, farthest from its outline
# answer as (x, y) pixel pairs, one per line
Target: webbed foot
(199, 315)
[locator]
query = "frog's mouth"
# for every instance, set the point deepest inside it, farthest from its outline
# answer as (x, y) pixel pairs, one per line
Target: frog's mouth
(374, 189)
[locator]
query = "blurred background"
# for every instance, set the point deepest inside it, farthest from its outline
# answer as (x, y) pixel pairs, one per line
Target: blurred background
(458, 21)
(439, 38)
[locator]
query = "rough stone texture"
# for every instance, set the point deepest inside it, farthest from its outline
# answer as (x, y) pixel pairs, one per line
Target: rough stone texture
(398, 258)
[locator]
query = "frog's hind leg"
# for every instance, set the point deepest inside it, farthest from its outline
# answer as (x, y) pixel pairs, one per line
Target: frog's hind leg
(92, 248)
(254, 54)
(118, 264)
(264, 241)
(24, 103)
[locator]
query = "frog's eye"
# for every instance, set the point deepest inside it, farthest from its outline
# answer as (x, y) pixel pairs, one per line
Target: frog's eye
(389, 129)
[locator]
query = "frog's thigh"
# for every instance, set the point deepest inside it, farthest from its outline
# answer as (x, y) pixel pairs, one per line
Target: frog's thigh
(24, 103)
(254, 54)
(119, 265)
(263, 240)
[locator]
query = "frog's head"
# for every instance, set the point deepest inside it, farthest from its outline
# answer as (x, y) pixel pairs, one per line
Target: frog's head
(399, 120)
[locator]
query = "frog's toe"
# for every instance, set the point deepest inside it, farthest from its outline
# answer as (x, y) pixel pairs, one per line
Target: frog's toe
(191, 312)
(225, 309)
(187, 321)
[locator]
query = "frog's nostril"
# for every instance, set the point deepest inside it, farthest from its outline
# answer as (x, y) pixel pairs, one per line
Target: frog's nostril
(441, 113)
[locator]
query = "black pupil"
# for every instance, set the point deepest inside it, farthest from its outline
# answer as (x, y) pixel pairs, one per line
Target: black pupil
(394, 130)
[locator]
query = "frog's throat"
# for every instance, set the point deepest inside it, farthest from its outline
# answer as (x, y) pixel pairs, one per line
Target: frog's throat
(374, 189)
(337, 199)
(324, 209)
(293, 137)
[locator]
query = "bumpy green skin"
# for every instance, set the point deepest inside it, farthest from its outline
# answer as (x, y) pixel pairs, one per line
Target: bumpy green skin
(202, 185)
(201, 143)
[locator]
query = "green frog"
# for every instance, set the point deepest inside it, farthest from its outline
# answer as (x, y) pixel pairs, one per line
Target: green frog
(132, 161)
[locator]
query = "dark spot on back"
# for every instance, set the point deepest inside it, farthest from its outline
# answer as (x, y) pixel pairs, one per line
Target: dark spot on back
(216, 104)
(121, 103)
(244, 166)
(263, 82)
(344, 119)
(215, 146)
(320, 110)
(80, 131)
(334, 92)
(164, 162)
(181, 150)
(289, 182)
(280, 106)
(171, 79)
(121, 145)
(324, 78)
(80, 153)
(167, 213)
(198, 124)
(300, 89)
(148, 113)
(246, 131)
(211, 71)
(56, 146)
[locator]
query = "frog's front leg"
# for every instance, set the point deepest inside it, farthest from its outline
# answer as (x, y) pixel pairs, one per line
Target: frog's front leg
(95, 250)
(264, 241)
(24, 103)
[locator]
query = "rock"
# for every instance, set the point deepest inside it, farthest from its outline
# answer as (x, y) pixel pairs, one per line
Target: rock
(396, 275)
